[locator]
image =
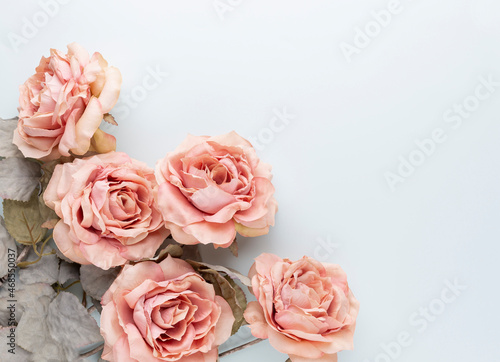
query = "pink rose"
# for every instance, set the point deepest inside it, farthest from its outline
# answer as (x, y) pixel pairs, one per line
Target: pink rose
(213, 187)
(63, 103)
(163, 312)
(106, 205)
(305, 308)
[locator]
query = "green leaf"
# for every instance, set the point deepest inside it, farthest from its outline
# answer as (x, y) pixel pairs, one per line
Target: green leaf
(225, 287)
(24, 221)
(7, 247)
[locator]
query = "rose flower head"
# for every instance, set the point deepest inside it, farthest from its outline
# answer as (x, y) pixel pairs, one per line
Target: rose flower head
(107, 210)
(63, 104)
(305, 308)
(163, 312)
(212, 187)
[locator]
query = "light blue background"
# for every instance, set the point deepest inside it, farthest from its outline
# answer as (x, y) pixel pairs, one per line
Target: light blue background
(353, 120)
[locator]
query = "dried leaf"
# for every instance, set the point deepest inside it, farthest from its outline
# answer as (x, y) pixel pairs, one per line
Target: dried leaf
(7, 148)
(96, 281)
(227, 289)
(18, 178)
(169, 247)
(231, 272)
(233, 248)
(46, 270)
(34, 336)
(71, 326)
(191, 252)
(174, 250)
(65, 258)
(23, 220)
(97, 304)
(67, 272)
(241, 305)
(25, 295)
(7, 247)
(110, 119)
(16, 353)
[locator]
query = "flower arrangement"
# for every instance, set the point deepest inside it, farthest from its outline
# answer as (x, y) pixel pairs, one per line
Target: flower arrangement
(76, 211)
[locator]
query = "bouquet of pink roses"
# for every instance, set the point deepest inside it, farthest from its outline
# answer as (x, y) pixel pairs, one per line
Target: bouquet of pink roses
(76, 212)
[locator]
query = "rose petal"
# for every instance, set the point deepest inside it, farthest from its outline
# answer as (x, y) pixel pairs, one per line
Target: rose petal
(66, 245)
(209, 233)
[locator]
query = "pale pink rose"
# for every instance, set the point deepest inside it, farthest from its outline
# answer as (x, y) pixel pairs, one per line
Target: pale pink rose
(163, 312)
(63, 103)
(107, 210)
(213, 187)
(305, 308)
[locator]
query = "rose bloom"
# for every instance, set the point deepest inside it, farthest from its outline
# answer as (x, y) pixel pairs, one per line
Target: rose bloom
(106, 206)
(212, 187)
(305, 308)
(163, 312)
(63, 103)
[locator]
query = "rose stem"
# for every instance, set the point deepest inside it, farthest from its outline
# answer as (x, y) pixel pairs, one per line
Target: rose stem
(92, 352)
(23, 254)
(243, 346)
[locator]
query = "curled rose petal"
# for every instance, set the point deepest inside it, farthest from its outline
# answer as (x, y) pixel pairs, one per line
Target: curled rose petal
(107, 210)
(63, 103)
(213, 187)
(305, 308)
(163, 312)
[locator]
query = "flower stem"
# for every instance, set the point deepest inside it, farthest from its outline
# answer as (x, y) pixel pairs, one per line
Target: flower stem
(243, 346)
(92, 352)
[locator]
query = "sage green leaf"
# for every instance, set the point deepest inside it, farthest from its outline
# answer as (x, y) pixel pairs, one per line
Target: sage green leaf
(7, 247)
(7, 148)
(18, 178)
(24, 221)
